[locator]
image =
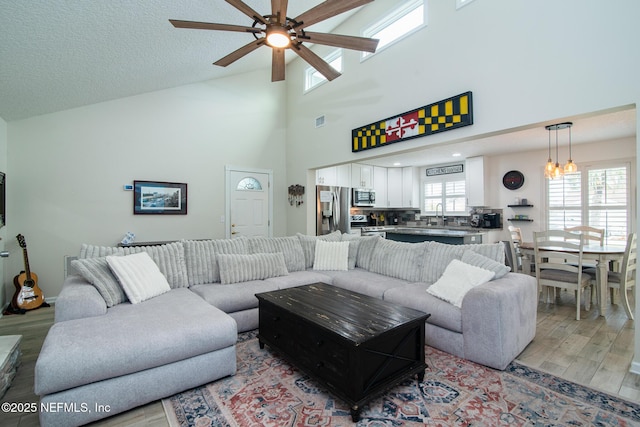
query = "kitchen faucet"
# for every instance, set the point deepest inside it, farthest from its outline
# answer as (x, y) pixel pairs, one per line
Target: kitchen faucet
(441, 208)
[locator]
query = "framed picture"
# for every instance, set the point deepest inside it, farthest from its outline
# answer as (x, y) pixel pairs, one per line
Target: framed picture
(159, 198)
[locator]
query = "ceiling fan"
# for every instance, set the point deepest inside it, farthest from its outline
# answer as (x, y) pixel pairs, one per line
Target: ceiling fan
(281, 32)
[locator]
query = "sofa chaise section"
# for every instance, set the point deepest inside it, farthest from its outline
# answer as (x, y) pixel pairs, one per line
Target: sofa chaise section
(132, 355)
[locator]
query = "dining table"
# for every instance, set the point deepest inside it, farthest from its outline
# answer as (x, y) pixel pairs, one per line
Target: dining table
(602, 255)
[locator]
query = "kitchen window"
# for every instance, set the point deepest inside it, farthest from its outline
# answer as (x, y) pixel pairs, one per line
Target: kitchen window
(598, 196)
(399, 23)
(450, 193)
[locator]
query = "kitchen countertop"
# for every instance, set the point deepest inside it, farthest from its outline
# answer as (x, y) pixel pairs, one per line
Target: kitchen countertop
(432, 231)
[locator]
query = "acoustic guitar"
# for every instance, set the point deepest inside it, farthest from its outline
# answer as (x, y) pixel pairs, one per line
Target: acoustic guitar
(28, 295)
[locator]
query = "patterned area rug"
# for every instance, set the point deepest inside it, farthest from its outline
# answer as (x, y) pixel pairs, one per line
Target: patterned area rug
(267, 391)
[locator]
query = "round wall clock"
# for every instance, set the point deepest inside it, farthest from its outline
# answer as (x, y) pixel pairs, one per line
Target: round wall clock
(513, 180)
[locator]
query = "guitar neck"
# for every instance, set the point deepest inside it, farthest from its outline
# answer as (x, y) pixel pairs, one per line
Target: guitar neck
(27, 270)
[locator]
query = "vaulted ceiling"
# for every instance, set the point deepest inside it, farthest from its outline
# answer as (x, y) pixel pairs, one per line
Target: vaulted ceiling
(61, 54)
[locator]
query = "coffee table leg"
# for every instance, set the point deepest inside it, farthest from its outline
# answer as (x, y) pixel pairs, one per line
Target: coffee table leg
(420, 376)
(355, 413)
(261, 344)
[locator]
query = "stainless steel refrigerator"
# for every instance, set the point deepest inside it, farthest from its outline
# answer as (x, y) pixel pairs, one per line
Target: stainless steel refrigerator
(332, 209)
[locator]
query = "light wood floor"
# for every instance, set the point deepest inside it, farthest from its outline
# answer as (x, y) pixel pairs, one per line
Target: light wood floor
(594, 351)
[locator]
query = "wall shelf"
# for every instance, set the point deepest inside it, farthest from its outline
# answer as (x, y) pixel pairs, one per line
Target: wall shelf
(520, 219)
(520, 206)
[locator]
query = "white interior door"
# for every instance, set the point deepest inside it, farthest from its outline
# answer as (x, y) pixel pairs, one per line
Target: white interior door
(248, 203)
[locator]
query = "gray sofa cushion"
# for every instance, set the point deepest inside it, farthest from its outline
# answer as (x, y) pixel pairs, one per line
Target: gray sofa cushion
(354, 246)
(365, 251)
(299, 278)
(97, 272)
(399, 259)
(309, 245)
(127, 340)
(236, 296)
(200, 257)
(235, 268)
(477, 260)
(439, 255)
(366, 282)
(289, 246)
(415, 296)
(94, 251)
(169, 258)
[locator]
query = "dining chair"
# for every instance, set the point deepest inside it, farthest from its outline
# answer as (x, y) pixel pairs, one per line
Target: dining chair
(624, 280)
(558, 263)
(591, 234)
(515, 239)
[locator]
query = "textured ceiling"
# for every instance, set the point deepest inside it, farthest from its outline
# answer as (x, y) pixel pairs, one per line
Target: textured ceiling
(61, 54)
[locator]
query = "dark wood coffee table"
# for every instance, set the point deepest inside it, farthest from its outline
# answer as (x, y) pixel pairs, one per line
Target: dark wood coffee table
(355, 345)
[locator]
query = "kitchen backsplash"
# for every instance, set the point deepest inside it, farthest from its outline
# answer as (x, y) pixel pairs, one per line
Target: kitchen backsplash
(413, 218)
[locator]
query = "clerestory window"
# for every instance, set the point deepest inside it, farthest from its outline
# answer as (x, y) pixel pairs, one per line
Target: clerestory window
(399, 23)
(313, 78)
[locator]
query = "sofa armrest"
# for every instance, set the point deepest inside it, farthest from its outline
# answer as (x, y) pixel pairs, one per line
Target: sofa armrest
(499, 319)
(78, 299)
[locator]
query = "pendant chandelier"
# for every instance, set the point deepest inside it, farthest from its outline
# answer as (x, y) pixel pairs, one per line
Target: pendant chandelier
(554, 170)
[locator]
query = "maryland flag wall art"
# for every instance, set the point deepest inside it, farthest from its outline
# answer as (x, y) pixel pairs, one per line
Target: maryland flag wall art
(444, 115)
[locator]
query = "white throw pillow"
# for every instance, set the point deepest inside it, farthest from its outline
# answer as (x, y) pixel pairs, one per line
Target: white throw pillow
(139, 276)
(331, 256)
(458, 279)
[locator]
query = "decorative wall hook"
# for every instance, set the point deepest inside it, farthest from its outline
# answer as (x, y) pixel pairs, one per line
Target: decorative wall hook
(295, 195)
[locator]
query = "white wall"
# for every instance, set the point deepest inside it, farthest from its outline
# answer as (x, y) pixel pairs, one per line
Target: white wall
(67, 169)
(524, 65)
(527, 64)
(531, 164)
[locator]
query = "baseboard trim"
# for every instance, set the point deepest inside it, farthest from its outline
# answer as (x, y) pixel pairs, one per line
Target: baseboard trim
(635, 368)
(49, 301)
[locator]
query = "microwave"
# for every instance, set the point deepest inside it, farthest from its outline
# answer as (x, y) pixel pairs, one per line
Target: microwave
(363, 197)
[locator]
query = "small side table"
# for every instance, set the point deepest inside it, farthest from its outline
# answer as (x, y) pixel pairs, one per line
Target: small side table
(9, 360)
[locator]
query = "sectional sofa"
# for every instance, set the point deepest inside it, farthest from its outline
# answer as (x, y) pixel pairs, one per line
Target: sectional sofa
(142, 323)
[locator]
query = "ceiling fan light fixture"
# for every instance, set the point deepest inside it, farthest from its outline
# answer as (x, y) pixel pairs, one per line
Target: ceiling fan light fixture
(278, 37)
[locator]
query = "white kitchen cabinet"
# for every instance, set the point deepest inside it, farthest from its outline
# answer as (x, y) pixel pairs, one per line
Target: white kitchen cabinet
(394, 187)
(361, 175)
(334, 175)
(380, 186)
(475, 181)
(327, 176)
(343, 175)
(410, 188)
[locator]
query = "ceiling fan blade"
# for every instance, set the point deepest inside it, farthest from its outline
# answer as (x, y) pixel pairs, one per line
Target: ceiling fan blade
(279, 9)
(326, 10)
(337, 40)
(316, 62)
(247, 10)
(211, 26)
(277, 65)
(237, 54)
